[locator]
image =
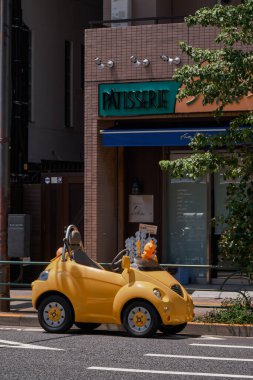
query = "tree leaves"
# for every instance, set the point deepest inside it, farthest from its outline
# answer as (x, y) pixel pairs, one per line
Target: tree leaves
(222, 76)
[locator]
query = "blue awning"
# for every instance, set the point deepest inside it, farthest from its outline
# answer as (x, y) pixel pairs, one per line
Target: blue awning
(154, 137)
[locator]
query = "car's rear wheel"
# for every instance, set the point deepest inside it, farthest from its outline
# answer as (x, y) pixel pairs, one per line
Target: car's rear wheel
(140, 319)
(87, 326)
(172, 329)
(55, 314)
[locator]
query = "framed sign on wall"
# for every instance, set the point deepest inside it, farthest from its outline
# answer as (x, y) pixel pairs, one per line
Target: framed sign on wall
(141, 208)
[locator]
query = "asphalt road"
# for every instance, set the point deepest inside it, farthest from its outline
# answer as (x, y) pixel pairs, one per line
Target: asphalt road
(31, 353)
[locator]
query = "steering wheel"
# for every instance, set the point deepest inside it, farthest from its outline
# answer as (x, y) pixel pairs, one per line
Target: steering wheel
(116, 262)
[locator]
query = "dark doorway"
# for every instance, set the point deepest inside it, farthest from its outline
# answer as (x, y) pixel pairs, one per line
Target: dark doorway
(142, 165)
(62, 204)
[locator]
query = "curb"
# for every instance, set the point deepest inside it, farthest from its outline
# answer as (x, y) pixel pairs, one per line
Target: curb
(192, 328)
(14, 319)
(196, 328)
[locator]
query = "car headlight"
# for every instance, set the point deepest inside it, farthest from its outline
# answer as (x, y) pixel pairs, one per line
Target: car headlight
(43, 275)
(157, 293)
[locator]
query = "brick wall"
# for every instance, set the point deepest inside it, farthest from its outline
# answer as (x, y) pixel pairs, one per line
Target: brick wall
(100, 176)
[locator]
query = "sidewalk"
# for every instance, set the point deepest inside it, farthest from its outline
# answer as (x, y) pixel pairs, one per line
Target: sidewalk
(23, 314)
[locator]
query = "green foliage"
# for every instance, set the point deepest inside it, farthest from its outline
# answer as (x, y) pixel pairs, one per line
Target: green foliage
(227, 73)
(237, 310)
(226, 76)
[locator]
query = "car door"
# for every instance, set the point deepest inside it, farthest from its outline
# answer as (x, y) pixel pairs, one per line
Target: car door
(94, 293)
(102, 286)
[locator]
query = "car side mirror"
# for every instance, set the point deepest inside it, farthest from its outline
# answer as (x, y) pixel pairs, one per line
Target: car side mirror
(126, 263)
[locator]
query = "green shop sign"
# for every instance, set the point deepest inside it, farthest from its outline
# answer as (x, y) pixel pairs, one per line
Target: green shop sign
(137, 99)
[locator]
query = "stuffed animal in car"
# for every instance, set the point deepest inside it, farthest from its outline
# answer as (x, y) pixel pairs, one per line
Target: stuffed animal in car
(149, 252)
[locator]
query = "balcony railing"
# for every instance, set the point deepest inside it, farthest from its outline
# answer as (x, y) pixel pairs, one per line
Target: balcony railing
(136, 21)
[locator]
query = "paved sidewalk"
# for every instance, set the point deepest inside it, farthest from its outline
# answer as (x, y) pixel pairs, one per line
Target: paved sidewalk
(23, 314)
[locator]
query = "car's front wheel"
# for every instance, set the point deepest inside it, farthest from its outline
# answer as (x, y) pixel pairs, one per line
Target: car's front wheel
(168, 330)
(55, 314)
(140, 319)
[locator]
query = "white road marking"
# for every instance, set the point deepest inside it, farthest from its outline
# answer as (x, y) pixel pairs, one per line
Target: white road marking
(21, 328)
(207, 337)
(199, 357)
(202, 374)
(10, 344)
(220, 345)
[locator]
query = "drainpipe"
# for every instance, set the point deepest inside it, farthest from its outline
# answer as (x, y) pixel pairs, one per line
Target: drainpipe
(5, 119)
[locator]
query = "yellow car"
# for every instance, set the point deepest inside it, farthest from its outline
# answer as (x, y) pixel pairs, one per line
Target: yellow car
(142, 296)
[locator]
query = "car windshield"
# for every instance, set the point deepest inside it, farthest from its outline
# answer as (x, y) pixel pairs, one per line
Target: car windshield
(147, 265)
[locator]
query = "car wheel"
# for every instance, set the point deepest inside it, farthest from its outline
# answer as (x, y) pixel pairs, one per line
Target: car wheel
(172, 329)
(140, 319)
(55, 314)
(87, 326)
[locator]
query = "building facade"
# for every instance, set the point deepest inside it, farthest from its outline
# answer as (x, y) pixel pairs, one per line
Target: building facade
(56, 84)
(47, 80)
(132, 121)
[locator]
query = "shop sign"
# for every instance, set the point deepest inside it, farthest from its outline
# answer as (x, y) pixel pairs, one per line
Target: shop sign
(137, 99)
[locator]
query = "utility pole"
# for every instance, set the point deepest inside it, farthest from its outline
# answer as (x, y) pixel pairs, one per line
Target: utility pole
(5, 120)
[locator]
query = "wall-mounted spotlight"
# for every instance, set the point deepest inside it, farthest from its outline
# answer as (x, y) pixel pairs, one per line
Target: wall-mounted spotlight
(135, 61)
(110, 63)
(177, 60)
(99, 63)
(170, 60)
(165, 58)
(146, 62)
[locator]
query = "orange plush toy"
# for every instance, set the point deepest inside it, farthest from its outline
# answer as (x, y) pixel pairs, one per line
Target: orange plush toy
(149, 252)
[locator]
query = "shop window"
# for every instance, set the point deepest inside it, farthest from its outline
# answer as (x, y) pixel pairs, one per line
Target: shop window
(187, 224)
(220, 196)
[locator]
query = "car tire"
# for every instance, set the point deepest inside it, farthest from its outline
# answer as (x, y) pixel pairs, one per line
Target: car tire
(168, 330)
(55, 314)
(140, 319)
(87, 326)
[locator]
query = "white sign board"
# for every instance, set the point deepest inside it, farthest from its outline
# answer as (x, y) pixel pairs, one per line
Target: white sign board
(148, 228)
(141, 208)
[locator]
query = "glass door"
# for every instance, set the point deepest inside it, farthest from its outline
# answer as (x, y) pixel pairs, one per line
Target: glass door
(187, 226)
(219, 199)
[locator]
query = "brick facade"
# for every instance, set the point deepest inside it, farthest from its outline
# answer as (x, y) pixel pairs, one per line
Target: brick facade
(101, 164)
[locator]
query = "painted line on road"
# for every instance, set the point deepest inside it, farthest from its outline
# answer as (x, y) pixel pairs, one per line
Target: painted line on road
(208, 337)
(220, 345)
(202, 374)
(21, 329)
(11, 344)
(199, 357)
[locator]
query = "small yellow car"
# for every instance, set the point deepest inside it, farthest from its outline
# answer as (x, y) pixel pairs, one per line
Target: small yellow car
(142, 296)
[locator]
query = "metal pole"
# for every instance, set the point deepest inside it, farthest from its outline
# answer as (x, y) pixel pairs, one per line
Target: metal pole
(5, 119)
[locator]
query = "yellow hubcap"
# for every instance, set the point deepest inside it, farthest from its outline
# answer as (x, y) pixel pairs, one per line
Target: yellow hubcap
(139, 319)
(54, 314)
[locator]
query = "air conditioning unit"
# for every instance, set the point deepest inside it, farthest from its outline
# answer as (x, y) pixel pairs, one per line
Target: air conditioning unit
(121, 9)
